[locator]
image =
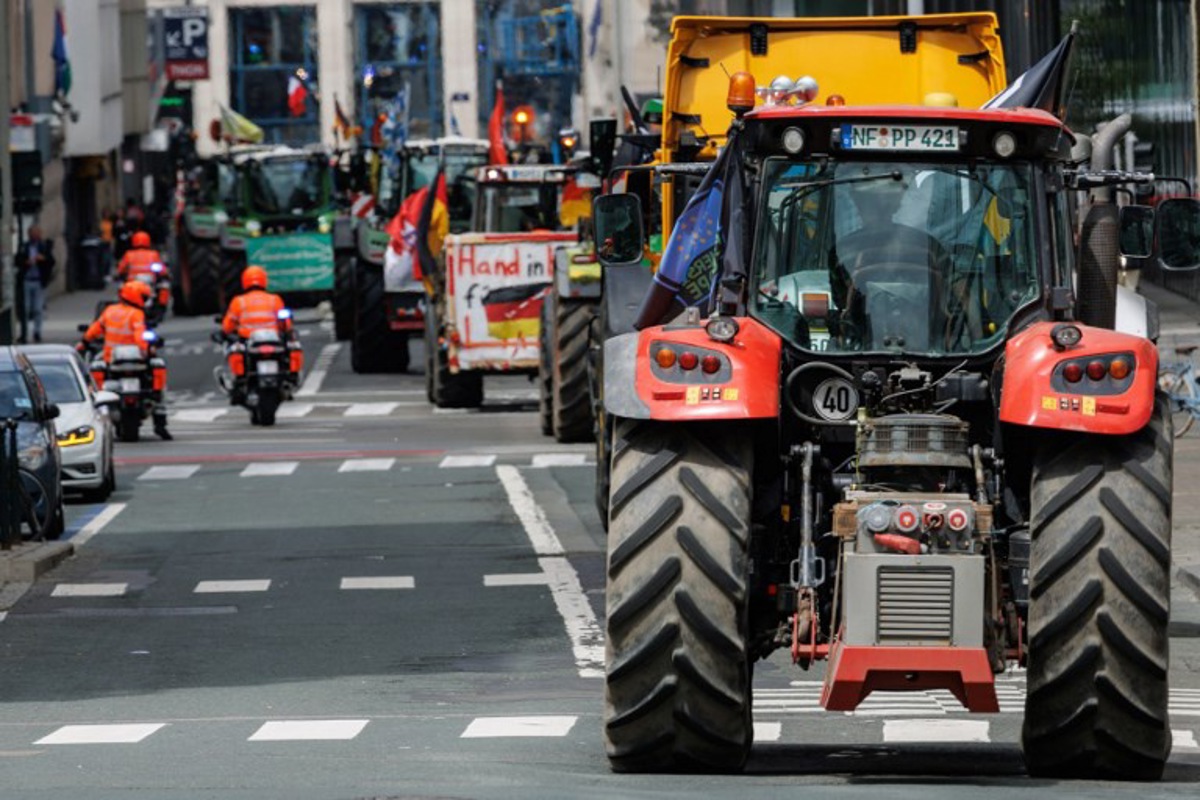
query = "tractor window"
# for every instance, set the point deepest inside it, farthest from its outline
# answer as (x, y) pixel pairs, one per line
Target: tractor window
(286, 186)
(520, 207)
(460, 189)
(896, 257)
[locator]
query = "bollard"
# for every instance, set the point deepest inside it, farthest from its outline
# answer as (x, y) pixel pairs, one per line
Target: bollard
(10, 486)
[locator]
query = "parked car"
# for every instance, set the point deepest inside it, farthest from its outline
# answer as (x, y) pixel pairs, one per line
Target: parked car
(23, 399)
(84, 425)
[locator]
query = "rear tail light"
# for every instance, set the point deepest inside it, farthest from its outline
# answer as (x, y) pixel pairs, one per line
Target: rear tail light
(1096, 370)
(296, 360)
(710, 364)
(665, 358)
(1073, 372)
(688, 360)
(1119, 369)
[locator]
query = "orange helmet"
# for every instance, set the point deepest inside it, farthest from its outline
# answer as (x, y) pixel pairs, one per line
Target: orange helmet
(141, 239)
(254, 277)
(135, 293)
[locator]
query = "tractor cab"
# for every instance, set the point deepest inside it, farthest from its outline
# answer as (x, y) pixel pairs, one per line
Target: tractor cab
(528, 198)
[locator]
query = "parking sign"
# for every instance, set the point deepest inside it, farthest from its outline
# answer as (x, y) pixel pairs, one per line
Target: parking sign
(185, 42)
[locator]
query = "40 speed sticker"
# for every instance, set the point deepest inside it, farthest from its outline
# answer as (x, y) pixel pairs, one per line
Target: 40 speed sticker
(835, 399)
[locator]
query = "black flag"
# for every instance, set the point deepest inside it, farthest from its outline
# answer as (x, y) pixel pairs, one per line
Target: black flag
(1042, 86)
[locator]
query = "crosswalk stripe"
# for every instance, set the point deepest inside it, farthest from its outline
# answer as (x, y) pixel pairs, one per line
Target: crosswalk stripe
(258, 469)
(451, 462)
(309, 730)
(294, 410)
(216, 587)
(505, 727)
(1184, 739)
(101, 734)
(366, 465)
(89, 590)
(169, 472)
(768, 731)
(370, 409)
(936, 730)
(199, 414)
(379, 582)
(560, 460)
(517, 579)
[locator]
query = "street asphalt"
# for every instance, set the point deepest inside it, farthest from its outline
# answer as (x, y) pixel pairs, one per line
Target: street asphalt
(372, 599)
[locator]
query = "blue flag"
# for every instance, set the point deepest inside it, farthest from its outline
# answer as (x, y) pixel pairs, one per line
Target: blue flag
(705, 244)
(62, 65)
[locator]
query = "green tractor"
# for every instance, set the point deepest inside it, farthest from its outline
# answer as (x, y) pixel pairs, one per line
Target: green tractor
(194, 240)
(385, 314)
(282, 219)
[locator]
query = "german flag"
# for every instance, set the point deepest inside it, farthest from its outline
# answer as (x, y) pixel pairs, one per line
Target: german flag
(341, 123)
(514, 312)
(575, 203)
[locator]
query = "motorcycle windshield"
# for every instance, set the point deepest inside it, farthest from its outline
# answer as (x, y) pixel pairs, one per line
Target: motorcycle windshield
(915, 258)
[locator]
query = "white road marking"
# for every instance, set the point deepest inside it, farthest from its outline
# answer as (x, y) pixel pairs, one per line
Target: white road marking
(587, 639)
(516, 579)
(198, 414)
(258, 469)
(314, 379)
(97, 524)
(452, 462)
(379, 582)
(560, 460)
(294, 410)
(767, 731)
(101, 734)
(506, 727)
(366, 465)
(1184, 739)
(308, 730)
(215, 587)
(169, 472)
(89, 590)
(935, 730)
(370, 409)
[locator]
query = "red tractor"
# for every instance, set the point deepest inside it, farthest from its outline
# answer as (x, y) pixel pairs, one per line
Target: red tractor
(896, 432)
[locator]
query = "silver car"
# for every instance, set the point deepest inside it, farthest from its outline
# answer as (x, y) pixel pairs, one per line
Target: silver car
(84, 427)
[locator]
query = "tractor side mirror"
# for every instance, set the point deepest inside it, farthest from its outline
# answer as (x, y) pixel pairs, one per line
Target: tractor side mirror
(617, 219)
(602, 143)
(1137, 231)
(1177, 234)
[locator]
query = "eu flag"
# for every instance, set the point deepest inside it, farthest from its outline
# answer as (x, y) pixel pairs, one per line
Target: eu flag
(702, 243)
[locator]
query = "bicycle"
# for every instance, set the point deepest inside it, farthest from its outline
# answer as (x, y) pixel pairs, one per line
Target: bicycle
(1181, 383)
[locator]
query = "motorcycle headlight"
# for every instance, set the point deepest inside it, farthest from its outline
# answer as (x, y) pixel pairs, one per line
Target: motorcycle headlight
(33, 457)
(253, 227)
(323, 225)
(84, 434)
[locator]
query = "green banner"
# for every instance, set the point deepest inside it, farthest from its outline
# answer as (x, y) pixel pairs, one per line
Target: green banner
(295, 262)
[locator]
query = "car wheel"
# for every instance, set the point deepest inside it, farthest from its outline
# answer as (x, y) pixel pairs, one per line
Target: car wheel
(58, 522)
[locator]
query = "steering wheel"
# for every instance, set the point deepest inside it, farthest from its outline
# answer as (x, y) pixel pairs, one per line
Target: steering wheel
(893, 242)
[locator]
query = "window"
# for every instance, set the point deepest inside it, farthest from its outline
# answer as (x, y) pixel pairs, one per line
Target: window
(397, 51)
(61, 381)
(269, 46)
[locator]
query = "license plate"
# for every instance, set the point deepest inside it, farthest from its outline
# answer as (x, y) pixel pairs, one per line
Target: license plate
(921, 138)
(267, 367)
(130, 385)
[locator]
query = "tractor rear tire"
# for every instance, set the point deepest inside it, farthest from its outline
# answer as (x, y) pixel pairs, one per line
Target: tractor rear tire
(678, 674)
(572, 402)
(374, 347)
(203, 295)
(450, 389)
(1100, 582)
(343, 295)
(233, 262)
(545, 374)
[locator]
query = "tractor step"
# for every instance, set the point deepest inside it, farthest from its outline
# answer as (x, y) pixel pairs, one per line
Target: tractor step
(856, 671)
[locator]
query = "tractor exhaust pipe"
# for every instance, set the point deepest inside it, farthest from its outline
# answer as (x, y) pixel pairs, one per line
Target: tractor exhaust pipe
(1099, 237)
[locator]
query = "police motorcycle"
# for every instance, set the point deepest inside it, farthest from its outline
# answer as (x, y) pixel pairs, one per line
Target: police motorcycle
(262, 370)
(138, 378)
(159, 281)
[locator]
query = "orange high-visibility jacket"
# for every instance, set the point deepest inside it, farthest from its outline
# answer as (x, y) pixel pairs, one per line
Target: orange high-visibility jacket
(120, 323)
(254, 310)
(138, 261)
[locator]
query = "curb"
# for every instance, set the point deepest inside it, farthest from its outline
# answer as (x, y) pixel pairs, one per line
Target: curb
(26, 561)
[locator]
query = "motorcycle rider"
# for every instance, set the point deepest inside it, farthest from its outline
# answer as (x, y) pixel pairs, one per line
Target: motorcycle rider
(141, 259)
(254, 309)
(124, 323)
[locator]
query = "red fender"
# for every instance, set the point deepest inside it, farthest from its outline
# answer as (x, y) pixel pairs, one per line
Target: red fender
(1036, 393)
(745, 387)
